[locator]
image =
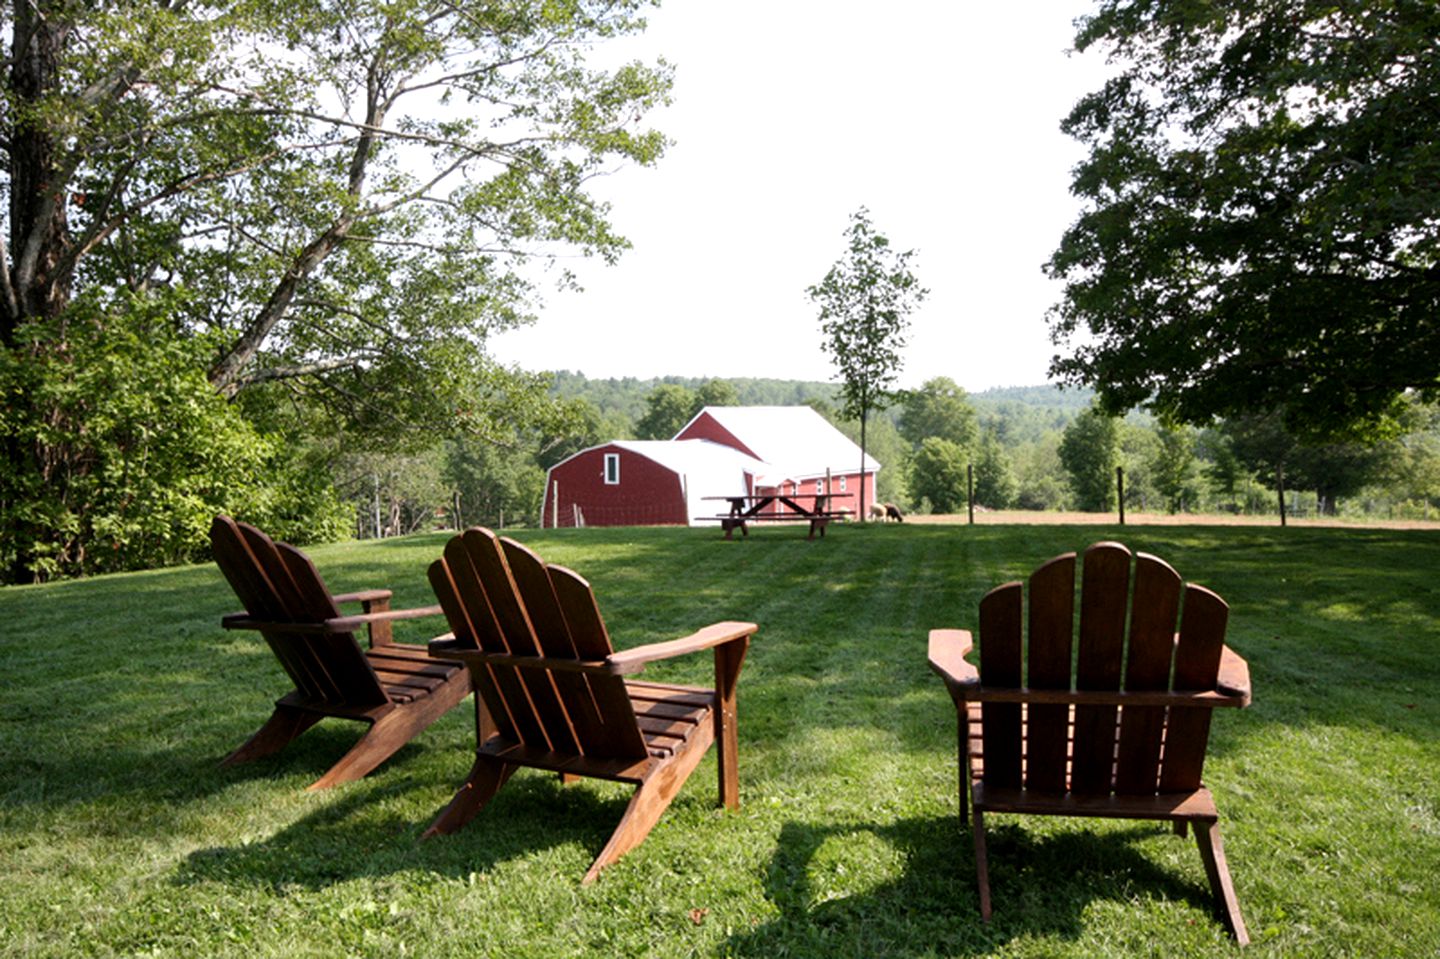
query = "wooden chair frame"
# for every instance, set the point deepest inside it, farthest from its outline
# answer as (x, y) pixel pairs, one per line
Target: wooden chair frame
(552, 694)
(397, 689)
(1087, 744)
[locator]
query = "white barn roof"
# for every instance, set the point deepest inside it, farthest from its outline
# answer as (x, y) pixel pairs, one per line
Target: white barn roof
(795, 442)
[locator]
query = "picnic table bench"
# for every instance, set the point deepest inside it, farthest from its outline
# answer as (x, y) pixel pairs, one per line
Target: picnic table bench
(750, 508)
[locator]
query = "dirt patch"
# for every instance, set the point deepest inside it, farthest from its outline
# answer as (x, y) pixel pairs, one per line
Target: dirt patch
(1036, 518)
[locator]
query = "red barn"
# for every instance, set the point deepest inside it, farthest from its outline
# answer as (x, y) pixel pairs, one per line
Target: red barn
(723, 451)
(800, 448)
(644, 483)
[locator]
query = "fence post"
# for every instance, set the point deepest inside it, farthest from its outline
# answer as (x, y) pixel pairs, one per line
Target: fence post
(1280, 489)
(1120, 490)
(970, 491)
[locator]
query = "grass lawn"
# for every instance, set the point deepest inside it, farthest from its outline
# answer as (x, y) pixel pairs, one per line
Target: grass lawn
(119, 835)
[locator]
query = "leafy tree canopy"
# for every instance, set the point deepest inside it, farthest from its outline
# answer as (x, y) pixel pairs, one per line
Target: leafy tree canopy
(937, 473)
(995, 483)
(865, 300)
(1264, 445)
(323, 206)
(1260, 229)
(939, 408)
(1090, 451)
(668, 408)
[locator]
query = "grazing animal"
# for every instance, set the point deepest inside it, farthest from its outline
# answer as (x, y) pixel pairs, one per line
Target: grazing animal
(877, 511)
(893, 512)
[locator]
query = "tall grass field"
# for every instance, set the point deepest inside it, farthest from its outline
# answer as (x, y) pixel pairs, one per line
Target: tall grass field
(121, 836)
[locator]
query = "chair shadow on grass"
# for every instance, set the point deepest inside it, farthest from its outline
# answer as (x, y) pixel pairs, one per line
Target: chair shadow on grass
(1042, 886)
(372, 829)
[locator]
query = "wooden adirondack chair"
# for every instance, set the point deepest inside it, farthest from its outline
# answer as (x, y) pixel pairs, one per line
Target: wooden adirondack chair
(554, 694)
(1091, 745)
(397, 688)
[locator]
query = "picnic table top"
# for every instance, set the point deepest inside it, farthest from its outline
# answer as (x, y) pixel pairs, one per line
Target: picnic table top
(754, 496)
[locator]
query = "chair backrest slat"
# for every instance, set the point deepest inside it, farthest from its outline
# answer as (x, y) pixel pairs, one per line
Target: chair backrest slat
(258, 597)
(590, 701)
(339, 655)
(1052, 619)
(502, 688)
(576, 602)
(1197, 666)
(1154, 613)
(1105, 588)
(1000, 648)
(488, 557)
(458, 616)
(277, 583)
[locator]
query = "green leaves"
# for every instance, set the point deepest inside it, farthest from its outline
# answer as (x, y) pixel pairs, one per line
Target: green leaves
(864, 300)
(1259, 230)
(324, 208)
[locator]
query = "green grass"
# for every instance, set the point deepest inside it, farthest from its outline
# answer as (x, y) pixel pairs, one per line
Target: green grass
(119, 835)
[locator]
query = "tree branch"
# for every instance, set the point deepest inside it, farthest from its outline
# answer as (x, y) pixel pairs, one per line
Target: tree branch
(273, 373)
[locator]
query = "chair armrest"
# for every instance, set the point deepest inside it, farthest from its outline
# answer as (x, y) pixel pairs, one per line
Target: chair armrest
(633, 660)
(339, 624)
(947, 657)
(1234, 677)
(365, 596)
(372, 601)
(470, 655)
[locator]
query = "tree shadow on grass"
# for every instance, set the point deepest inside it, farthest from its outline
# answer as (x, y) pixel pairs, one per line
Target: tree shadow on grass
(374, 833)
(1041, 885)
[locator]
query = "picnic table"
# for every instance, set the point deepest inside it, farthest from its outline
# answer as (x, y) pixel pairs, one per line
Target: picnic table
(750, 508)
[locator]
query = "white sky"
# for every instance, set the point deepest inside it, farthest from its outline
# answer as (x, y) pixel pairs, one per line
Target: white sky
(941, 117)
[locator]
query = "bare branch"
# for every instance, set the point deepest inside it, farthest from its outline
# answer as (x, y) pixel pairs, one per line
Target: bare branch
(272, 373)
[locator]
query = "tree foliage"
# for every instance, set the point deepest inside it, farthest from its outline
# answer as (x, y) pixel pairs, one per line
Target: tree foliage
(940, 408)
(865, 300)
(996, 486)
(1264, 444)
(322, 205)
(937, 474)
(1175, 471)
(668, 408)
(1260, 230)
(1090, 451)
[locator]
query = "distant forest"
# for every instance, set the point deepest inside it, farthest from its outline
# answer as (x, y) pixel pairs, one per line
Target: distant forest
(1022, 412)
(1029, 448)
(1043, 447)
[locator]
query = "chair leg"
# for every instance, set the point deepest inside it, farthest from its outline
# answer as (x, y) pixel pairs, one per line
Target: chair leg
(485, 779)
(649, 803)
(729, 657)
(391, 731)
(284, 724)
(381, 740)
(982, 864)
(1212, 851)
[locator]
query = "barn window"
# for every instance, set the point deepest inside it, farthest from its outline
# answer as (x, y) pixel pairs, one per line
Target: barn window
(612, 469)
(820, 486)
(842, 484)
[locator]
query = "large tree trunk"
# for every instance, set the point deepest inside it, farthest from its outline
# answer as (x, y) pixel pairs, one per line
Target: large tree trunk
(32, 288)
